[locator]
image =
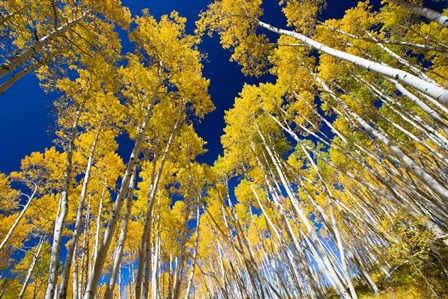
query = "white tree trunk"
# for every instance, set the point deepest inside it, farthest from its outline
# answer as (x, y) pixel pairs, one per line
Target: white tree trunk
(431, 112)
(13, 227)
(155, 266)
(96, 240)
(403, 61)
(423, 11)
(195, 254)
(29, 53)
(115, 213)
(408, 163)
(75, 282)
(434, 91)
(121, 240)
(143, 250)
(329, 270)
(77, 229)
(31, 268)
(17, 76)
(62, 211)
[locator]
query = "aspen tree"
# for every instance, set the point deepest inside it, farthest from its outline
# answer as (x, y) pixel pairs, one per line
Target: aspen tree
(223, 17)
(40, 32)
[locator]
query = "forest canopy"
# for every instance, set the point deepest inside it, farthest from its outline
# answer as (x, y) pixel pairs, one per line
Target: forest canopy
(333, 182)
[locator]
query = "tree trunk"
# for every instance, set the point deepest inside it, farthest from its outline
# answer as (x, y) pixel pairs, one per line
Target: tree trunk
(423, 11)
(17, 76)
(77, 229)
(75, 282)
(35, 48)
(434, 91)
(115, 213)
(62, 212)
(408, 163)
(329, 269)
(96, 241)
(11, 230)
(121, 240)
(31, 269)
(195, 254)
(143, 249)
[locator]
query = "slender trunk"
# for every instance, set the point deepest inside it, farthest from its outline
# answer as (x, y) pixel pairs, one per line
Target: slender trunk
(31, 268)
(423, 11)
(77, 229)
(35, 48)
(365, 274)
(403, 61)
(115, 213)
(313, 290)
(84, 254)
(431, 112)
(96, 241)
(330, 271)
(434, 91)
(62, 212)
(143, 249)
(149, 251)
(409, 164)
(119, 281)
(170, 275)
(56, 292)
(19, 75)
(121, 239)
(16, 222)
(176, 271)
(132, 282)
(333, 224)
(442, 48)
(155, 266)
(6, 18)
(411, 118)
(195, 254)
(75, 281)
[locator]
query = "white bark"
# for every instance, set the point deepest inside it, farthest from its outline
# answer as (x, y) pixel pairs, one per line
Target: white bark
(115, 213)
(434, 91)
(423, 11)
(411, 118)
(121, 240)
(13, 227)
(403, 61)
(17, 76)
(75, 282)
(431, 112)
(29, 53)
(195, 254)
(77, 229)
(408, 163)
(31, 268)
(320, 258)
(155, 266)
(62, 211)
(143, 249)
(96, 240)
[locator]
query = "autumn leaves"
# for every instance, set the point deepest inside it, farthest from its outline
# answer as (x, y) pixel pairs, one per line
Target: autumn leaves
(340, 160)
(334, 136)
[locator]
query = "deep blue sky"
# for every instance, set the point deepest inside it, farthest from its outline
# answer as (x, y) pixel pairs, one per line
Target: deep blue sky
(25, 122)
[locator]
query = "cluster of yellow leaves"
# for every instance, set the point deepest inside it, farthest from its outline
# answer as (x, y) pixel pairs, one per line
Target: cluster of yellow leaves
(302, 13)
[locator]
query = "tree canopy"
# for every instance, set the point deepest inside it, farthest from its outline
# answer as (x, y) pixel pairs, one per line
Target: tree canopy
(333, 180)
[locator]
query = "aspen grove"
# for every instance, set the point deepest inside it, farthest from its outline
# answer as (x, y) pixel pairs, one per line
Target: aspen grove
(333, 182)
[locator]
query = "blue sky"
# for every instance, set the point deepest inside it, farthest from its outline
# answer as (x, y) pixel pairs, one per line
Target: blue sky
(26, 124)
